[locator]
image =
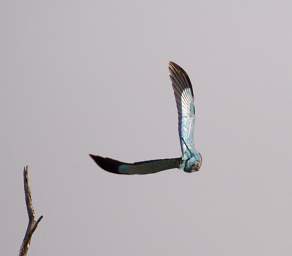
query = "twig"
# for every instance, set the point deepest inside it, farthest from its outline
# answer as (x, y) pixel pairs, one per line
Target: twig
(32, 222)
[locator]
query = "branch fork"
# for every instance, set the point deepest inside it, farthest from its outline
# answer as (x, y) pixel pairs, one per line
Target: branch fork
(32, 221)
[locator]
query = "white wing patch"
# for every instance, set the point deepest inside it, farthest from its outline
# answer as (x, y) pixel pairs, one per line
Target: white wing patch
(186, 122)
(187, 104)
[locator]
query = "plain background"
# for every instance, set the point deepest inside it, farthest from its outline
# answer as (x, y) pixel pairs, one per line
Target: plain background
(80, 77)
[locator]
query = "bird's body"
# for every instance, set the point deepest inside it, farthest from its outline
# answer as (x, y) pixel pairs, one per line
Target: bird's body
(191, 159)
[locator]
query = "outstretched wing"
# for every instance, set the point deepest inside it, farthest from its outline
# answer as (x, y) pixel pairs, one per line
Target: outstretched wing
(145, 167)
(184, 97)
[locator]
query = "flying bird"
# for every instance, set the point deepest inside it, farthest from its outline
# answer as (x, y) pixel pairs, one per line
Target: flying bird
(191, 159)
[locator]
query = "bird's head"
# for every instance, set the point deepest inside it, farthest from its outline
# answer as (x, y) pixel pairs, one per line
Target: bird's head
(197, 165)
(193, 164)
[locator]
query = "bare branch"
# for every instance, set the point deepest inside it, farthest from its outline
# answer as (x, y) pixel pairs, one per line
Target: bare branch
(32, 222)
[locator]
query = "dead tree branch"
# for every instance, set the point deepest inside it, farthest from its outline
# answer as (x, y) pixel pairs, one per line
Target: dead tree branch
(32, 221)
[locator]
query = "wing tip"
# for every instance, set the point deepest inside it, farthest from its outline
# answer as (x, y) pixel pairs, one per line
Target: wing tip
(96, 159)
(107, 164)
(175, 67)
(177, 71)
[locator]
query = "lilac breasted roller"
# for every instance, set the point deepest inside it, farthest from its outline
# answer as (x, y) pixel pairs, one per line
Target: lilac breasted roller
(191, 159)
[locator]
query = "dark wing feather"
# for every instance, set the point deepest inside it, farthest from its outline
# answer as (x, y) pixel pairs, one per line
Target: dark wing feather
(145, 167)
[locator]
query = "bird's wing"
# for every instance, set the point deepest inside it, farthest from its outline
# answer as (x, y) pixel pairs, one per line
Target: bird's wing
(184, 97)
(146, 167)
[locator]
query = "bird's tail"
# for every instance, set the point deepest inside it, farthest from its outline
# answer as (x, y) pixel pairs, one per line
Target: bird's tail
(145, 167)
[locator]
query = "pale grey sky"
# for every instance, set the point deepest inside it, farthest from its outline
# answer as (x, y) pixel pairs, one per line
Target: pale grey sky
(80, 77)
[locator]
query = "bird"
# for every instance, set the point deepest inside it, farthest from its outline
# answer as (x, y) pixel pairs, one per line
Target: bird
(190, 160)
